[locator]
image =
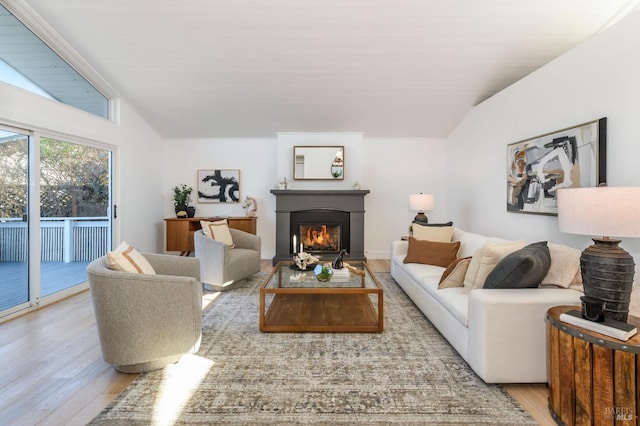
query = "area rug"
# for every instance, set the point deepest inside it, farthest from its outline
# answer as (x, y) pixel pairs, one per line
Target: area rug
(406, 375)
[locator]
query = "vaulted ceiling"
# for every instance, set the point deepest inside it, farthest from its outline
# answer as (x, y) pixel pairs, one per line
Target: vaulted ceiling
(251, 68)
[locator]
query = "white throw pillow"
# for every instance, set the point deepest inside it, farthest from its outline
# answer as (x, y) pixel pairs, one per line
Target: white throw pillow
(565, 264)
(441, 234)
(485, 259)
(127, 259)
(218, 230)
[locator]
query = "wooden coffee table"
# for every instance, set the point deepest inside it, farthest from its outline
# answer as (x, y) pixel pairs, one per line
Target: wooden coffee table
(347, 303)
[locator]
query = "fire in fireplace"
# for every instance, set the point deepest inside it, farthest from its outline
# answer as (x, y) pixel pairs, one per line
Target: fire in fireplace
(319, 231)
(320, 238)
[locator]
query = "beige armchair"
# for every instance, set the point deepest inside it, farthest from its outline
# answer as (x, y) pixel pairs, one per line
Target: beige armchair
(146, 322)
(221, 266)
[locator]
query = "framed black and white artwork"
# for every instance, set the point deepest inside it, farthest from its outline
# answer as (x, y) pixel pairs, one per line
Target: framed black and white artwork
(574, 157)
(219, 186)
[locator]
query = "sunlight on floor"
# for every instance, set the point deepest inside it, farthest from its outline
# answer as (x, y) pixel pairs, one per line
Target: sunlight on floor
(208, 299)
(180, 381)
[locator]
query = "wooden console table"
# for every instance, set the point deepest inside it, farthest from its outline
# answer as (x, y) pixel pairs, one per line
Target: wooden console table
(592, 377)
(179, 231)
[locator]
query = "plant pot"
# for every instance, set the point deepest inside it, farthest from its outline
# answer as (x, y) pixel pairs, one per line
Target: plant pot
(181, 210)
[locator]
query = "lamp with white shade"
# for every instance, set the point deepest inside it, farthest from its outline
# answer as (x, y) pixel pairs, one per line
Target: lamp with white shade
(607, 269)
(421, 203)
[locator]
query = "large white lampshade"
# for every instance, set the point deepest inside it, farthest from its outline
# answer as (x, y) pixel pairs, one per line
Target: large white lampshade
(602, 211)
(607, 269)
(421, 203)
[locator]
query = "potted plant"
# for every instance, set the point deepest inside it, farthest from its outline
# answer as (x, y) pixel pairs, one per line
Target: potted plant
(323, 272)
(181, 200)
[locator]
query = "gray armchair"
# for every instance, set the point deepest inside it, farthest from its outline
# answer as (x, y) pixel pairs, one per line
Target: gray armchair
(146, 322)
(221, 266)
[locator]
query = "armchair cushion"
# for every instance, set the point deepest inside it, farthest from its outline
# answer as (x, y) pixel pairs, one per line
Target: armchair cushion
(126, 258)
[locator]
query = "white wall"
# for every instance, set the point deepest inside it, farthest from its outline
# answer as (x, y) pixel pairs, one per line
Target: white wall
(393, 169)
(139, 189)
(256, 160)
(597, 79)
(353, 158)
(390, 168)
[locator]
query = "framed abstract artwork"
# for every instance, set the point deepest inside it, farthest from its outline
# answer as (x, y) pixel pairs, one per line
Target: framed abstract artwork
(219, 186)
(569, 158)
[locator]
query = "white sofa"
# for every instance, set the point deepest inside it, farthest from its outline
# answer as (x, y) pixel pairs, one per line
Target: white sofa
(501, 333)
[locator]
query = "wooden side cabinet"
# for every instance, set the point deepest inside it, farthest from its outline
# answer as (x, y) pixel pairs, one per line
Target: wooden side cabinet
(592, 377)
(179, 231)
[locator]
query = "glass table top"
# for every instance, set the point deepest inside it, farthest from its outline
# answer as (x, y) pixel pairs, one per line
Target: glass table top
(287, 275)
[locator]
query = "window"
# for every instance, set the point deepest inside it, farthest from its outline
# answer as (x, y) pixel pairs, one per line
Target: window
(27, 62)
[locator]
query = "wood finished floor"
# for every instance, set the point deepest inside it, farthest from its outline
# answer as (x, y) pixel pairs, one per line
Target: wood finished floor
(53, 374)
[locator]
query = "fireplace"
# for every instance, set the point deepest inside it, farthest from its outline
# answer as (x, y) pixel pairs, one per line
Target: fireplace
(334, 214)
(320, 231)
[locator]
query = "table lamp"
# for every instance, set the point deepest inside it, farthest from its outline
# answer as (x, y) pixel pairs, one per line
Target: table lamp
(607, 269)
(421, 203)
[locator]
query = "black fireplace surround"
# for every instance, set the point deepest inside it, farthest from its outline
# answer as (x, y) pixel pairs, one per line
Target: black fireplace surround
(302, 207)
(336, 221)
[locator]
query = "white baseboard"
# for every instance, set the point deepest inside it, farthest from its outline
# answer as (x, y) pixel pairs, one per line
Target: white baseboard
(377, 254)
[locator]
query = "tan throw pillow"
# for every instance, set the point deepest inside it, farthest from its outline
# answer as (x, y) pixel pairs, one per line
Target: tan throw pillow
(432, 233)
(485, 259)
(218, 230)
(565, 264)
(472, 270)
(431, 252)
(126, 258)
(453, 276)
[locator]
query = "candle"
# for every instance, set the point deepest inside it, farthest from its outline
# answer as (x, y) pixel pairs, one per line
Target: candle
(294, 244)
(301, 248)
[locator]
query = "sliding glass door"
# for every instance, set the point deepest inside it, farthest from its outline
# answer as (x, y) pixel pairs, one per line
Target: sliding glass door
(14, 232)
(75, 225)
(50, 234)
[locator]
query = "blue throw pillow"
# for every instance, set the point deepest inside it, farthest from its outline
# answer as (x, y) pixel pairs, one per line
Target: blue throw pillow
(524, 268)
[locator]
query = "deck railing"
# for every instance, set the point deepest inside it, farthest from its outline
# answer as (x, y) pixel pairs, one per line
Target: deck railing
(64, 239)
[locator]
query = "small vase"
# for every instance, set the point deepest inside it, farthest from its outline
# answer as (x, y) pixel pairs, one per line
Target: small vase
(324, 278)
(323, 274)
(191, 211)
(181, 210)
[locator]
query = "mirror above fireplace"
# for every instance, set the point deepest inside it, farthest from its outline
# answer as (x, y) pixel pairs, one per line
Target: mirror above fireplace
(318, 162)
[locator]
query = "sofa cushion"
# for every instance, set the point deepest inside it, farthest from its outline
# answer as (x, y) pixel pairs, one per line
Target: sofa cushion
(431, 252)
(453, 276)
(126, 258)
(419, 271)
(432, 232)
(452, 299)
(218, 230)
(524, 268)
(456, 303)
(485, 259)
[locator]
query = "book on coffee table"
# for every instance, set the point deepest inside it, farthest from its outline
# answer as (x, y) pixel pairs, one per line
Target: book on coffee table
(610, 327)
(341, 275)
